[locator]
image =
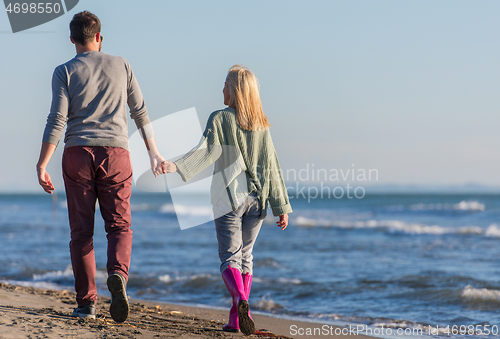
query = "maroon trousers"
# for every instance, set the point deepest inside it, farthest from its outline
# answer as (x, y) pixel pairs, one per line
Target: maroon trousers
(105, 174)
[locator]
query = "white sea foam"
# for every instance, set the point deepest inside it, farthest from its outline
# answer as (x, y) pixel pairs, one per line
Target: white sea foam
(492, 231)
(67, 273)
(200, 276)
(410, 328)
(461, 206)
(36, 284)
(167, 208)
(390, 324)
(332, 316)
(303, 221)
(469, 206)
(389, 225)
(394, 225)
(167, 278)
(266, 304)
(293, 281)
(470, 293)
(186, 210)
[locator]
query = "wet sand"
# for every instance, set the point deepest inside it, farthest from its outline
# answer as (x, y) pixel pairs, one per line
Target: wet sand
(27, 312)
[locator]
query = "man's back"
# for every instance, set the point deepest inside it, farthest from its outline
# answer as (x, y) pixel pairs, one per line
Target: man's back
(91, 91)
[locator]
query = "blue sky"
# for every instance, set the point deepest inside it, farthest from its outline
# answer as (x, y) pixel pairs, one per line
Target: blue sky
(410, 88)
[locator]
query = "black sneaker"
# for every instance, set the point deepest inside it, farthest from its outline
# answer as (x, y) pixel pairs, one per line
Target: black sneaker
(85, 311)
(119, 302)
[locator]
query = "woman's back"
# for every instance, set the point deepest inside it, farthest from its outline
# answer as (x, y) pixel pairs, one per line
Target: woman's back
(245, 161)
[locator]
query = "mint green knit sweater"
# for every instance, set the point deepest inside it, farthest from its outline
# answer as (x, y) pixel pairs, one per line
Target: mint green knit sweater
(245, 161)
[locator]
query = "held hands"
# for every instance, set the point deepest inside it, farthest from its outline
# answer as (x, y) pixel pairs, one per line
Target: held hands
(283, 222)
(156, 161)
(44, 180)
(155, 157)
(169, 167)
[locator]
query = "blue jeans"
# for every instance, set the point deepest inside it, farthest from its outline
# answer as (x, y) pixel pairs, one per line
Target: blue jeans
(236, 234)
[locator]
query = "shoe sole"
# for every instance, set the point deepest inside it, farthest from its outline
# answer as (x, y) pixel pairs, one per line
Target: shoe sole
(119, 303)
(247, 325)
(232, 330)
(79, 315)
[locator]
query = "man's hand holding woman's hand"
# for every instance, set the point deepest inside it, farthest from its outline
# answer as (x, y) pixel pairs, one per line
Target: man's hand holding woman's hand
(156, 163)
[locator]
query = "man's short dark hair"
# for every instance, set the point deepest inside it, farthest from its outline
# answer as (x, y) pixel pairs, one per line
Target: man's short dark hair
(84, 26)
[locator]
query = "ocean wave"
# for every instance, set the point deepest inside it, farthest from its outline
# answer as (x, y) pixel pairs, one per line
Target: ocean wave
(191, 278)
(492, 231)
(266, 304)
(67, 273)
(166, 278)
(332, 316)
(267, 262)
(469, 206)
(410, 328)
(470, 293)
(186, 210)
(462, 206)
(280, 280)
(292, 281)
(36, 284)
(395, 226)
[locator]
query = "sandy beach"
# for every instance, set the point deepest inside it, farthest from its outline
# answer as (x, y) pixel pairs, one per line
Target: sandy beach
(27, 312)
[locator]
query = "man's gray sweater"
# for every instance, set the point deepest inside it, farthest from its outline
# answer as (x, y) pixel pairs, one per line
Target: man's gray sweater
(90, 92)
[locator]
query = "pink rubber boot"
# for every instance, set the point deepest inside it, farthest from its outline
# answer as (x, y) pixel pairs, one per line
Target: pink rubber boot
(247, 286)
(234, 283)
(233, 325)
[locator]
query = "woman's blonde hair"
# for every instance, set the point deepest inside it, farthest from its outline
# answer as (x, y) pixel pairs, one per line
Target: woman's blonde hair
(244, 95)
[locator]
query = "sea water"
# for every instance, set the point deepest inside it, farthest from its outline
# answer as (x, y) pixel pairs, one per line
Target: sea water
(386, 260)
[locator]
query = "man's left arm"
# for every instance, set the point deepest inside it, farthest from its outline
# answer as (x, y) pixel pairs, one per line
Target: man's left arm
(139, 113)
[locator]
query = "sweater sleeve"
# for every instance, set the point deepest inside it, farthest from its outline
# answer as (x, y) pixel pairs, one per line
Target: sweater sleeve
(138, 110)
(203, 155)
(58, 114)
(278, 195)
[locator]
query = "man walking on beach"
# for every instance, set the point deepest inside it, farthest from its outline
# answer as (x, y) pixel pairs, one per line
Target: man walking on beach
(90, 93)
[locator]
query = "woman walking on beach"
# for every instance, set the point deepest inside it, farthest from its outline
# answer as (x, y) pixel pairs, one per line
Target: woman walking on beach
(247, 177)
